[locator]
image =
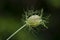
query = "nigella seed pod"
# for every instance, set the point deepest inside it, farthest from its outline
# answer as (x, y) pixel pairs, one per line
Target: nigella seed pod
(33, 21)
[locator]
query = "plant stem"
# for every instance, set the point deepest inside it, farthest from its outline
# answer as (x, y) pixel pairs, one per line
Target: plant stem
(16, 32)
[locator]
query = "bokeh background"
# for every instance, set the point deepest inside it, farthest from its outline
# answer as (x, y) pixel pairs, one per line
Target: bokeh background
(11, 12)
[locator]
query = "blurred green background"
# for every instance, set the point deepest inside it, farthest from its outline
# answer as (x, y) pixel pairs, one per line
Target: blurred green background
(11, 12)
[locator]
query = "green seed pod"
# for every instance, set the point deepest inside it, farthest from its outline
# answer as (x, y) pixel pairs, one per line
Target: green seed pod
(33, 21)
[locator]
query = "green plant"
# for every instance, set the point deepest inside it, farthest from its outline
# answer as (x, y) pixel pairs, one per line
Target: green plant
(32, 20)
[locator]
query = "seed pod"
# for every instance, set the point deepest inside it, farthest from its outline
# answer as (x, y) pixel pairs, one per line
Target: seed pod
(33, 21)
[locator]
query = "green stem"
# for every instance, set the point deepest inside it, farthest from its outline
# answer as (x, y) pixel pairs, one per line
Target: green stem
(16, 32)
